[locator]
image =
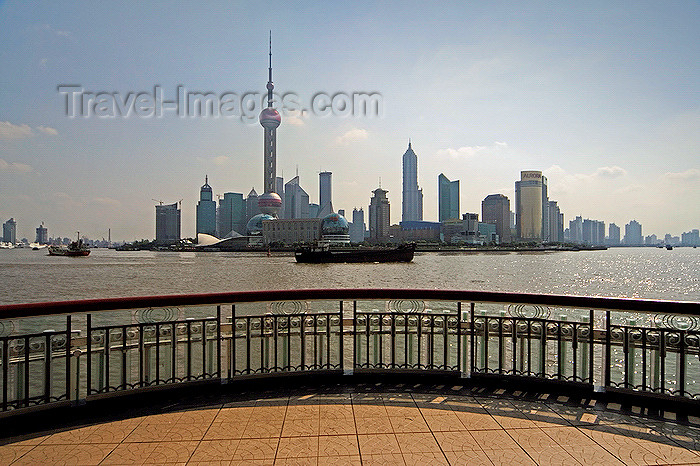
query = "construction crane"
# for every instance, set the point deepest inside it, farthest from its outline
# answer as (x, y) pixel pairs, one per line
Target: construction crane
(158, 200)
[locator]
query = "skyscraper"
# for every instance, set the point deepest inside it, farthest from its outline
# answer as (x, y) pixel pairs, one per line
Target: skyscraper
(495, 208)
(324, 194)
(448, 199)
(613, 235)
(296, 200)
(357, 227)
(279, 189)
(379, 215)
(251, 205)
(232, 214)
(206, 210)
(633, 234)
(556, 223)
(167, 223)
(412, 205)
(9, 231)
(42, 234)
(270, 202)
(530, 213)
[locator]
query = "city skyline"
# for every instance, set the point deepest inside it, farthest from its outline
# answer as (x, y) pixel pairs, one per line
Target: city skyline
(609, 114)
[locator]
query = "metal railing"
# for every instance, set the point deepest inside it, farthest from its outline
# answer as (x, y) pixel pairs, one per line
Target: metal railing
(117, 346)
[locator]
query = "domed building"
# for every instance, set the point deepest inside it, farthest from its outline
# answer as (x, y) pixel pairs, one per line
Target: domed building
(335, 230)
(255, 225)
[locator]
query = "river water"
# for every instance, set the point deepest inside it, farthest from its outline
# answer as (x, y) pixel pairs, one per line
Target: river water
(33, 276)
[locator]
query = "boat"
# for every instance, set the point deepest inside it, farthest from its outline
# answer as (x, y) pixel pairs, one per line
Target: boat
(324, 254)
(669, 247)
(74, 249)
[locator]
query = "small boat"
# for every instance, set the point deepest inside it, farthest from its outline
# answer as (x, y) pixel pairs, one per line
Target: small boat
(323, 254)
(669, 247)
(74, 249)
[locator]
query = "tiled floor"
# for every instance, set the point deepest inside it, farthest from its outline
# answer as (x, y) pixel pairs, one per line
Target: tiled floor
(370, 427)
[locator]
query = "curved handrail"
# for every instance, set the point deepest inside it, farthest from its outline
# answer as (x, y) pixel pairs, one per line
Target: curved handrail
(108, 304)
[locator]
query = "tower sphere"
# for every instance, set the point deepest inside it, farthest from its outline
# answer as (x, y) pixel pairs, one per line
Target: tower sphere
(270, 118)
(270, 203)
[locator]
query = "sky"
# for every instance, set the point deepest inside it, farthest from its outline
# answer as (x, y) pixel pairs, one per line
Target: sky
(602, 97)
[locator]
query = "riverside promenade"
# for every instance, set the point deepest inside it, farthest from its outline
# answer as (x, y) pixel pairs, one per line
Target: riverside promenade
(366, 424)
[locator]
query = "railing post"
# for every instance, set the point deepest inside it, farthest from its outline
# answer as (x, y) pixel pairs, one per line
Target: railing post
(355, 336)
(591, 345)
(232, 364)
(472, 339)
(681, 362)
(69, 333)
(47, 365)
(88, 339)
(485, 343)
(631, 350)
(458, 335)
(606, 365)
(341, 337)
(561, 350)
(584, 350)
(218, 341)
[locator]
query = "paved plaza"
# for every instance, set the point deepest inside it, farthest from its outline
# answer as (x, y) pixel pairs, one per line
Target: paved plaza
(368, 425)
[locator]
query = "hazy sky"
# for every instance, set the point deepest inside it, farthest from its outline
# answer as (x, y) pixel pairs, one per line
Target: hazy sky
(603, 97)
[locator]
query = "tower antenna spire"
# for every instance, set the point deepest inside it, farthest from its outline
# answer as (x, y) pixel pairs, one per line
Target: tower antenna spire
(270, 86)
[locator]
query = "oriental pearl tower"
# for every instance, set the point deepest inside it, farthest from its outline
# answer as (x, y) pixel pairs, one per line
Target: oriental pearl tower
(270, 202)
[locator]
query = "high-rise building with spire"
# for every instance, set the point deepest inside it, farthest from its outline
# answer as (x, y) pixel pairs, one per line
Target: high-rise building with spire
(270, 202)
(206, 210)
(412, 202)
(379, 214)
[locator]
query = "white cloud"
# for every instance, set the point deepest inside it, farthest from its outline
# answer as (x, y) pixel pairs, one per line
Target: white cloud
(294, 121)
(10, 131)
(610, 172)
(47, 130)
(14, 167)
(466, 152)
(353, 135)
(692, 174)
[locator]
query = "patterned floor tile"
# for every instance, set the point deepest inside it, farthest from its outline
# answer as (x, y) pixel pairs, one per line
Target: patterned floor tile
(10, 453)
(353, 460)
(425, 459)
(472, 458)
(338, 445)
(417, 443)
(301, 427)
(256, 449)
(297, 447)
(215, 450)
(493, 439)
(378, 444)
(373, 425)
(130, 453)
(383, 459)
(480, 420)
(445, 422)
(172, 452)
(411, 423)
(456, 441)
(554, 455)
(223, 431)
(509, 456)
(532, 438)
